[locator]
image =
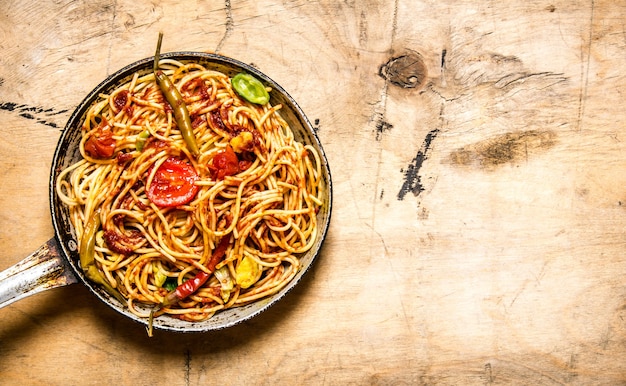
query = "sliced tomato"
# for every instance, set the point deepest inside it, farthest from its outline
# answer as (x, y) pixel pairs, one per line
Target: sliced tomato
(224, 163)
(173, 183)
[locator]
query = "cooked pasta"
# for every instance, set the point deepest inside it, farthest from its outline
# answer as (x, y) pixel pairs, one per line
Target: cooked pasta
(190, 234)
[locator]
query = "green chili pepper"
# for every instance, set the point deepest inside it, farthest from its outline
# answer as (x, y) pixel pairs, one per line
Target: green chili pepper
(250, 88)
(140, 142)
(87, 256)
(173, 97)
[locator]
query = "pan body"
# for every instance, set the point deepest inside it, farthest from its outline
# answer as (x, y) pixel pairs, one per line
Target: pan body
(67, 153)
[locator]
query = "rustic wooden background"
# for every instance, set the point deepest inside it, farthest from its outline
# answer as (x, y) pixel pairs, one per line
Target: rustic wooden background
(477, 151)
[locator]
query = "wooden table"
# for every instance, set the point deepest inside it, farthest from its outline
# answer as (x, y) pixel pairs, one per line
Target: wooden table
(478, 159)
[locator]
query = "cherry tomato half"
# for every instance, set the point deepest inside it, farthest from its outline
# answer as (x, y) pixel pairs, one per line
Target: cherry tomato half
(173, 183)
(224, 163)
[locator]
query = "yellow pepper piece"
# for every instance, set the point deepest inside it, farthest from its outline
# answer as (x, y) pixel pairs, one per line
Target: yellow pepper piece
(159, 275)
(247, 272)
(243, 141)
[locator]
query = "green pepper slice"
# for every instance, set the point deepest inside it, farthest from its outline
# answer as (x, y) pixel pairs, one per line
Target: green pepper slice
(250, 88)
(140, 142)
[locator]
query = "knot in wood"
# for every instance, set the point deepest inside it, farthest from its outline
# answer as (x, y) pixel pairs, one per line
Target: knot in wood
(405, 71)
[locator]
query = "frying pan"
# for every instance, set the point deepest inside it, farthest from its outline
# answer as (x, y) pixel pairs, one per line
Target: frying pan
(56, 263)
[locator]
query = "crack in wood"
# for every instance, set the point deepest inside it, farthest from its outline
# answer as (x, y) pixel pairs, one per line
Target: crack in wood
(380, 123)
(584, 71)
(230, 25)
(443, 58)
(187, 367)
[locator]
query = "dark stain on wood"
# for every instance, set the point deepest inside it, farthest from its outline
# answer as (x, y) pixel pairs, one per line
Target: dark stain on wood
(488, 374)
(405, 71)
(381, 127)
(412, 179)
(38, 114)
(509, 148)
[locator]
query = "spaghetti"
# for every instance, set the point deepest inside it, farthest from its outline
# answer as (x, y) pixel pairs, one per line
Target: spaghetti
(189, 234)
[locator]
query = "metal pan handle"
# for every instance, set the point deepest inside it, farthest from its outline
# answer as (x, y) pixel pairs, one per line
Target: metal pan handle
(42, 270)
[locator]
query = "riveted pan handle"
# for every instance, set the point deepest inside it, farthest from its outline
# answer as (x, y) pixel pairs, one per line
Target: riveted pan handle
(42, 270)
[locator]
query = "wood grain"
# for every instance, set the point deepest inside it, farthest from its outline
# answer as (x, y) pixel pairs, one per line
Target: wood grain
(478, 225)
